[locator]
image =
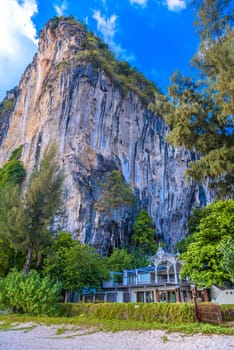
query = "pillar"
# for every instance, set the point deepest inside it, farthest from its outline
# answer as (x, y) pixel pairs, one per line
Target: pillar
(156, 273)
(177, 291)
(168, 277)
(205, 295)
(157, 296)
(175, 273)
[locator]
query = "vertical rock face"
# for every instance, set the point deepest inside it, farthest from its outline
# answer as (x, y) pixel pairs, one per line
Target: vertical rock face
(97, 129)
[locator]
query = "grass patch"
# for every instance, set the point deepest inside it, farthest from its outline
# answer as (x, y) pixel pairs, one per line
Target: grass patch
(164, 339)
(62, 65)
(7, 322)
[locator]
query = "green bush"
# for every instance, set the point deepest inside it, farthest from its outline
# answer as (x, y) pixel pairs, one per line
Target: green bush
(121, 73)
(6, 105)
(12, 173)
(29, 294)
(228, 312)
(157, 312)
(62, 65)
(16, 154)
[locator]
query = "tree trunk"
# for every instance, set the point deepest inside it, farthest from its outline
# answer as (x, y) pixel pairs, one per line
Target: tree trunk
(39, 258)
(28, 262)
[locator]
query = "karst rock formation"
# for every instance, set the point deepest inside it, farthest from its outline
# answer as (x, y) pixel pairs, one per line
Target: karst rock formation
(67, 100)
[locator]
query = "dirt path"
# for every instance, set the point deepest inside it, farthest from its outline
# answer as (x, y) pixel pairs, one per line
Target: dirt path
(31, 337)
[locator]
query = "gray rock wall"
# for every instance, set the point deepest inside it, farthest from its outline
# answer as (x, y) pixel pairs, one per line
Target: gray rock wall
(97, 129)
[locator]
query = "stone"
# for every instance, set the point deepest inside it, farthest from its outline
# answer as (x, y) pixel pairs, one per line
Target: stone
(97, 129)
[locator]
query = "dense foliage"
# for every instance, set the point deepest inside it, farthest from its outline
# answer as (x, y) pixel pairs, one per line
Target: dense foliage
(227, 248)
(143, 238)
(192, 227)
(200, 111)
(12, 172)
(97, 53)
(25, 218)
(203, 259)
(120, 260)
(75, 264)
(29, 294)
(160, 312)
(6, 105)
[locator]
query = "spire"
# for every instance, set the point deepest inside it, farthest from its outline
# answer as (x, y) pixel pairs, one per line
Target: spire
(160, 252)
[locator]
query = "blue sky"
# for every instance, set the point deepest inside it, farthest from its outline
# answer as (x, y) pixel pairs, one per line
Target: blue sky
(155, 36)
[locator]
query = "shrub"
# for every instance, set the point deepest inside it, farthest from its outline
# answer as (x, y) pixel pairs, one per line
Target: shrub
(6, 105)
(29, 294)
(156, 312)
(121, 73)
(62, 65)
(16, 154)
(227, 312)
(12, 173)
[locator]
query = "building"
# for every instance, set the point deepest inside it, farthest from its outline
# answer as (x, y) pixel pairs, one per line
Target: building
(160, 281)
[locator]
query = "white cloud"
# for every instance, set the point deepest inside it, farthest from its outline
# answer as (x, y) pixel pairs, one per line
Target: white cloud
(139, 2)
(60, 9)
(18, 40)
(107, 27)
(176, 5)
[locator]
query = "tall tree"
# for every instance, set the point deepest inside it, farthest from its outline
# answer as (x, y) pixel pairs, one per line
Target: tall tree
(25, 218)
(120, 260)
(200, 111)
(144, 236)
(76, 265)
(203, 260)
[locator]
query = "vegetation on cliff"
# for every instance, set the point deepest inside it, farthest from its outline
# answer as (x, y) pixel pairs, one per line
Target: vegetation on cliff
(96, 52)
(6, 105)
(115, 193)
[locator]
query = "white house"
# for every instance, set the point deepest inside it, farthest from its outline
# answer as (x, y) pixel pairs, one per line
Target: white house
(160, 281)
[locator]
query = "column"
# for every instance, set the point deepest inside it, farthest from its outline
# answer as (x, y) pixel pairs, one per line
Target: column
(156, 273)
(175, 273)
(136, 276)
(157, 295)
(177, 291)
(168, 277)
(205, 295)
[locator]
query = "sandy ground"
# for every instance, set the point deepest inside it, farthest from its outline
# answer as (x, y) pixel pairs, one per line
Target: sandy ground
(30, 337)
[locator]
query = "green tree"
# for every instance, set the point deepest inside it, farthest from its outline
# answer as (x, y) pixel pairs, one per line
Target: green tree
(75, 264)
(227, 248)
(203, 258)
(200, 111)
(13, 172)
(115, 193)
(192, 226)
(143, 238)
(25, 219)
(120, 260)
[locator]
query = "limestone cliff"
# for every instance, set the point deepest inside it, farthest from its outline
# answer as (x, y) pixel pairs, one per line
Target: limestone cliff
(66, 99)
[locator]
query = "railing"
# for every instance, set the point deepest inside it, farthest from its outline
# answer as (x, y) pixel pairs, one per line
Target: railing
(134, 282)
